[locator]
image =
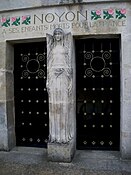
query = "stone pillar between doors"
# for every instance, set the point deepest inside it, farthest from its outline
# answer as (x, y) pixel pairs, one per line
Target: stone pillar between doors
(62, 96)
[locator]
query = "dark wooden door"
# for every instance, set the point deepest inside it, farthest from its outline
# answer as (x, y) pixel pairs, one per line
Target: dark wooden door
(98, 93)
(31, 98)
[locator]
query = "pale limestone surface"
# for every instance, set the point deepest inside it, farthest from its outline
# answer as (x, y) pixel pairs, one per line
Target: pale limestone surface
(16, 4)
(32, 161)
(59, 85)
(75, 18)
(60, 75)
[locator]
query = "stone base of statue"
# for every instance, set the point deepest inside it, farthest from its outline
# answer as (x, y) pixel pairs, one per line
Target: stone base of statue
(59, 152)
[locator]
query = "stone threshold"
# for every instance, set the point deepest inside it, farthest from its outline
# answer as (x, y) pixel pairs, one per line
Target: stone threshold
(81, 154)
(29, 150)
(86, 160)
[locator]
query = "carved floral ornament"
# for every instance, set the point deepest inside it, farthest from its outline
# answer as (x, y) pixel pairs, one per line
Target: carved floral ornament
(97, 14)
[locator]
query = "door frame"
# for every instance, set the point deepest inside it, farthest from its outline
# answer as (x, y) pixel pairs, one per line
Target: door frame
(111, 36)
(10, 135)
(38, 132)
(9, 57)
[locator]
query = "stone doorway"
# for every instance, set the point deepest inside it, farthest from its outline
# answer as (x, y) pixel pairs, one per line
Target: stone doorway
(98, 93)
(31, 98)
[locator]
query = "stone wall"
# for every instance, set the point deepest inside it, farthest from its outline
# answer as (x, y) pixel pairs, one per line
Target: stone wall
(16, 4)
(7, 126)
(33, 20)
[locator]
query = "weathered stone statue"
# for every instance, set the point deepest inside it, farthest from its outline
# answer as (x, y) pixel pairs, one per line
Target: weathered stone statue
(59, 86)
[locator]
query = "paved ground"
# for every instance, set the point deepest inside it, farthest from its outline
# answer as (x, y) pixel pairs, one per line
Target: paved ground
(31, 161)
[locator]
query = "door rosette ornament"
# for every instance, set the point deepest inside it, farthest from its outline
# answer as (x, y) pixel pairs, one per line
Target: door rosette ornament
(88, 55)
(25, 58)
(41, 57)
(88, 72)
(33, 65)
(97, 64)
(25, 74)
(106, 72)
(41, 73)
(106, 55)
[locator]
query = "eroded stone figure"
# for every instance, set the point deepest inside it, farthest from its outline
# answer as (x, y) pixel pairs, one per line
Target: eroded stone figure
(59, 86)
